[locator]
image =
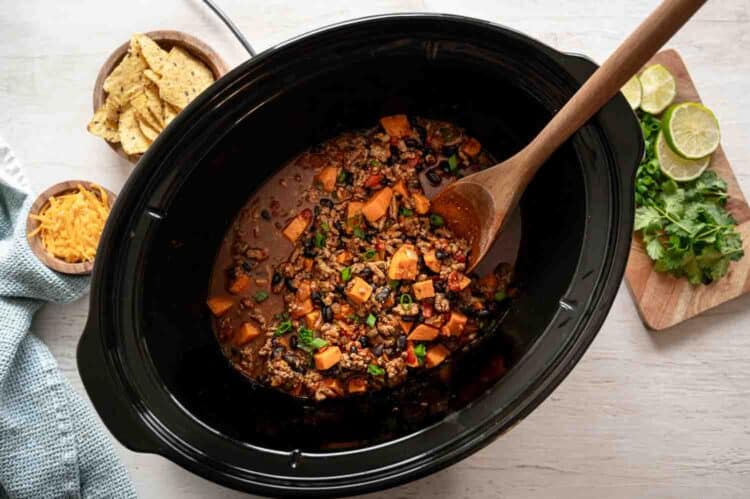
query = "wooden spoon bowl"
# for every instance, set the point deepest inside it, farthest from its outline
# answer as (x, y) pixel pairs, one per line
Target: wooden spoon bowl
(166, 39)
(35, 243)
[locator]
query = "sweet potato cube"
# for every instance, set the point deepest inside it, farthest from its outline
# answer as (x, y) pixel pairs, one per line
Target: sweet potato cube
(300, 308)
(333, 384)
(297, 225)
(303, 291)
(423, 332)
(423, 289)
(405, 326)
(396, 125)
(246, 333)
(404, 263)
(400, 189)
(327, 178)
(327, 357)
(421, 203)
(471, 147)
(432, 261)
(377, 205)
(345, 310)
(219, 305)
(455, 324)
(312, 319)
(358, 290)
(435, 355)
(344, 258)
(239, 284)
(354, 209)
(356, 385)
(457, 281)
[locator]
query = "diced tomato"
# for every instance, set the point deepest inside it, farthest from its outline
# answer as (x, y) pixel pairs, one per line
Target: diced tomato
(373, 181)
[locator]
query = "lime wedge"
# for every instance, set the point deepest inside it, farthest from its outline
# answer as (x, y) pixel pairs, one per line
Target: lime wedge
(691, 130)
(675, 166)
(632, 92)
(659, 89)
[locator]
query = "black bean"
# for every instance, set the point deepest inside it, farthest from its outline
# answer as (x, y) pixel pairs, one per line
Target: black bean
(327, 314)
(382, 294)
(316, 298)
(449, 150)
(247, 267)
(340, 288)
(353, 349)
(365, 273)
(364, 341)
(439, 286)
(377, 350)
(265, 214)
(411, 142)
(293, 341)
(316, 210)
(308, 243)
(289, 285)
(401, 342)
(276, 279)
(278, 352)
(433, 177)
(441, 255)
(326, 202)
(395, 151)
(391, 160)
(445, 166)
(339, 226)
(309, 253)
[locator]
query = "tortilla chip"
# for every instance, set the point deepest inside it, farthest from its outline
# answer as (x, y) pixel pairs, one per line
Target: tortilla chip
(104, 123)
(149, 132)
(126, 79)
(155, 104)
(132, 139)
(140, 103)
(183, 78)
(169, 113)
(154, 55)
(153, 77)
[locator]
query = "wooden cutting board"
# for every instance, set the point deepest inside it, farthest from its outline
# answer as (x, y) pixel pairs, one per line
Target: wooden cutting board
(663, 300)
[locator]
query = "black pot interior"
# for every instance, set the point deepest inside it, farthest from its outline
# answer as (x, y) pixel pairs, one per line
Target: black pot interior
(501, 102)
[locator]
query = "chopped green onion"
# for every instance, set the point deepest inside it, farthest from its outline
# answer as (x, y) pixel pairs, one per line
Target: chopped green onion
(260, 296)
(359, 233)
(284, 327)
(325, 227)
(373, 162)
(317, 343)
(406, 301)
(453, 163)
(320, 240)
(307, 341)
(371, 319)
(346, 274)
(406, 212)
(370, 254)
(375, 370)
(420, 350)
(436, 220)
(500, 296)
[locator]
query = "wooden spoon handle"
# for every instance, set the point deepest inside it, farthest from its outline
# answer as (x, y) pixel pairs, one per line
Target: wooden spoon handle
(606, 81)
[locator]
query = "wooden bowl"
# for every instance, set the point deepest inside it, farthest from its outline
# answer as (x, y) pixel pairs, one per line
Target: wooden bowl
(166, 39)
(35, 242)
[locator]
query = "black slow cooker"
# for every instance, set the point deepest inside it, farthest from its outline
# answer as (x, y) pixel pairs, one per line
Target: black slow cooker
(148, 357)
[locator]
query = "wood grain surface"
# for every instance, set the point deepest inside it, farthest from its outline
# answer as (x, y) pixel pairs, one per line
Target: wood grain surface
(663, 300)
(642, 415)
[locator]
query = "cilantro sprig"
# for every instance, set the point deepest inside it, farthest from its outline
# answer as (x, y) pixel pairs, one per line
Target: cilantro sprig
(686, 228)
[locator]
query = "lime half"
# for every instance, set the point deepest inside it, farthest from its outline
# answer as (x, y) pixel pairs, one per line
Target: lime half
(675, 166)
(691, 130)
(632, 92)
(659, 89)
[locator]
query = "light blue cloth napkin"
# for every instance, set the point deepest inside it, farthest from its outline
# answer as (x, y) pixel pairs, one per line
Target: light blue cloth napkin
(51, 443)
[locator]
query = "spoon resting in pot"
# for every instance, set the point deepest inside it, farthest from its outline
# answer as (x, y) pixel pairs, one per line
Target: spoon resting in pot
(476, 207)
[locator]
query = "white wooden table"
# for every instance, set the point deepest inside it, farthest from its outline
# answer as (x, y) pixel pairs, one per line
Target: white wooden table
(642, 415)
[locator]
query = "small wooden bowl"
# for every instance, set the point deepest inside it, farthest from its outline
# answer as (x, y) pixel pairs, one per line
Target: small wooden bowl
(166, 39)
(35, 242)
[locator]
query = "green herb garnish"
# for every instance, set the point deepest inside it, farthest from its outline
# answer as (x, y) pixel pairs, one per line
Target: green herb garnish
(359, 233)
(500, 295)
(373, 162)
(370, 254)
(307, 341)
(283, 327)
(371, 319)
(453, 163)
(325, 227)
(320, 240)
(341, 177)
(436, 220)
(685, 227)
(375, 370)
(406, 212)
(346, 274)
(260, 296)
(420, 350)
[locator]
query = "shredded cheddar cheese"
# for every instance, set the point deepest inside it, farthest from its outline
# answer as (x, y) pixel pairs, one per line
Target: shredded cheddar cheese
(71, 224)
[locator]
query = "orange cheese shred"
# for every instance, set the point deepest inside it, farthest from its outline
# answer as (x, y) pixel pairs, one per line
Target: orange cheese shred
(71, 224)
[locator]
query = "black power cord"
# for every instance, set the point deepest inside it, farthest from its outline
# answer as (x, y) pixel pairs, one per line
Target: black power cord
(232, 27)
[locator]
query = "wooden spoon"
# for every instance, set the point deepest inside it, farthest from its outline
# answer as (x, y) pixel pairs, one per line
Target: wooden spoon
(476, 207)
